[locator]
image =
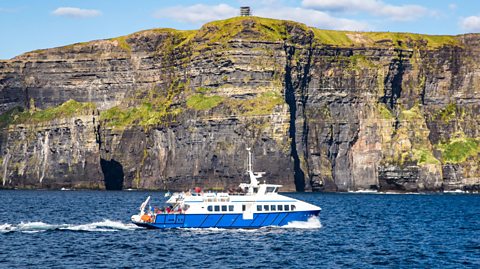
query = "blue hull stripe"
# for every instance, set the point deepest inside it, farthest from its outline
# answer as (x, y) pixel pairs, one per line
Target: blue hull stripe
(258, 219)
(280, 223)
(279, 218)
(203, 221)
(216, 223)
(227, 220)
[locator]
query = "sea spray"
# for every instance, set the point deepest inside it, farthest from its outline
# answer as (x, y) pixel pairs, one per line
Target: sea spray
(311, 223)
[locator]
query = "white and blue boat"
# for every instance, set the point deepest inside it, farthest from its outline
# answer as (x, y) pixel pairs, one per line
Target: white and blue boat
(256, 205)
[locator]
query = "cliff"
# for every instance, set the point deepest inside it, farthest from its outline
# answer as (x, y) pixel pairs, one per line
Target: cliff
(168, 109)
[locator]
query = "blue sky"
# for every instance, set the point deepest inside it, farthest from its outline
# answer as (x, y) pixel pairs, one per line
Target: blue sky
(33, 24)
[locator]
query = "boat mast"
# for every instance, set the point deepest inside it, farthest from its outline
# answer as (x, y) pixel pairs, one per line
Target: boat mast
(250, 169)
(253, 176)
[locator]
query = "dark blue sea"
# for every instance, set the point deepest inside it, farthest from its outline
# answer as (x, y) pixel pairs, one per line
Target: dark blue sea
(91, 229)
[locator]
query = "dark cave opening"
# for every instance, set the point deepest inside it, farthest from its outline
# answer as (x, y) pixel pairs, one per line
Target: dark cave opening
(112, 174)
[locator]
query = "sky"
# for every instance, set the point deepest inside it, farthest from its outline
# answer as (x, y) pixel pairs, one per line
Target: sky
(27, 25)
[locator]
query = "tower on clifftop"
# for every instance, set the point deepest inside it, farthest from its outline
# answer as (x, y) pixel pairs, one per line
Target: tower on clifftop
(245, 11)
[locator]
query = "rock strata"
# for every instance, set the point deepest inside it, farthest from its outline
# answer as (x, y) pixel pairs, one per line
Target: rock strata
(167, 109)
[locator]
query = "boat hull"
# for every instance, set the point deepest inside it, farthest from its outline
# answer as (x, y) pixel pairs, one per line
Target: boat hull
(235, 221)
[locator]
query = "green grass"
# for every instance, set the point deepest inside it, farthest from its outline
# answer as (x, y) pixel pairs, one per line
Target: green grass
(66, 110)
(411, 114)
(333, 38)
(402, 39)
(385, 112)
(360, 62)
(262, 104)
(122, 43)
(424, 156)
(119, 117)
(144, 115)
(458, 150)
(264, 29)
(203, 102)
(448, 113)
(203, 89)
(376, 39)
(154, 109)
(180, 37)
(8, 117)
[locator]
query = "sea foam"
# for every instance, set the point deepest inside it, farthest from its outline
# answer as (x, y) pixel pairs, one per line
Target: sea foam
(35, 227)
(312, 223)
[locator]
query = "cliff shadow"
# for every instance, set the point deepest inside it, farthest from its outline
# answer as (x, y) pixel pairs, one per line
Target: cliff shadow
(112, 174)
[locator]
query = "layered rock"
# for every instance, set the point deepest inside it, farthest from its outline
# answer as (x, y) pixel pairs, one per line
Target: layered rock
(323, 110)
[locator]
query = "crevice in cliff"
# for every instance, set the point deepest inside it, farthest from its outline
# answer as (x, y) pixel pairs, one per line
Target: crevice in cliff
(291, 100)
(97, 129)
(304, 98)
(394, 81)
(112, 174)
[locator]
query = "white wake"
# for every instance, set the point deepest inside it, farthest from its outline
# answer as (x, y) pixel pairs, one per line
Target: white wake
(35, 227)
(312, 223)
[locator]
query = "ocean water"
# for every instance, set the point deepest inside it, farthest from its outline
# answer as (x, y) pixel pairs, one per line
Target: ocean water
(91, 229)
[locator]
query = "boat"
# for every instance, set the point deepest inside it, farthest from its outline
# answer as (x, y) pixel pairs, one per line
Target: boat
(253, 205)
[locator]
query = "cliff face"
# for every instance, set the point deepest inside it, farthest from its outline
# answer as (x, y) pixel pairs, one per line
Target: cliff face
(167, 109)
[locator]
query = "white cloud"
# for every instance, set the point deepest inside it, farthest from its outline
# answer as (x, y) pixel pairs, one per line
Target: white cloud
(374, 7)
(203, 13)
(76, 12)
(199, 13)
(470, 24)
(452, 6)
(313, 18)
(260, 2)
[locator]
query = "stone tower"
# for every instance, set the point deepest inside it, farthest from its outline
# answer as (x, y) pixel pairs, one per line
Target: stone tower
(245, 11)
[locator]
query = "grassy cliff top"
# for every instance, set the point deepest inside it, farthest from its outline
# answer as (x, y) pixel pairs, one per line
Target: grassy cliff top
(279, 30)
(270, 30)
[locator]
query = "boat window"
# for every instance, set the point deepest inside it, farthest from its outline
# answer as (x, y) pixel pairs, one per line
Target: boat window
(217, 208)
(270, 189)
(280, 207)
(273, 208)
(255, 190)
(209, 208)
(244, 207)
(287, 208)
(265, 207)
(293, 207)
(224, 208)
(259, 208)
(230, 208)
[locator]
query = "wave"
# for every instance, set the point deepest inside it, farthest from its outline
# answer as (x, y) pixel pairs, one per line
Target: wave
(312, 223)
(364, 191)
(455, 191)
(35, 227)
